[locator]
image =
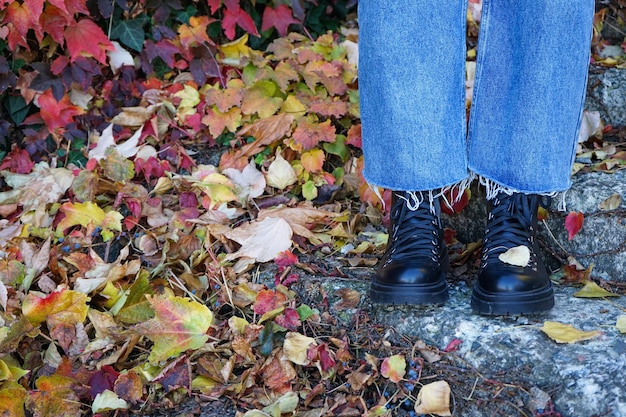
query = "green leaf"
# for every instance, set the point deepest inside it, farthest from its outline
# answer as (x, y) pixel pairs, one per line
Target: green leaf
(131, 32)
(304, 312)
(338, 148)
(17, 108)
(309, 191)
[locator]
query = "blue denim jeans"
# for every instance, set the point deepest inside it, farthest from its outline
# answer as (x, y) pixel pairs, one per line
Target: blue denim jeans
(531, 77)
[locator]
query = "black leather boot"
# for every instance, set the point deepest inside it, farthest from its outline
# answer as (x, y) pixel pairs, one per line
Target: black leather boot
(513, 286)
(413, 269)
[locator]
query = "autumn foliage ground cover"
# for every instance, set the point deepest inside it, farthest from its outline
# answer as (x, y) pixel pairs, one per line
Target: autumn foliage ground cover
(152, 155)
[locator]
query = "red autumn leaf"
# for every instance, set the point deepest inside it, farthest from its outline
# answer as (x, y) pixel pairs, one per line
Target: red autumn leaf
(285, 259)
(85, 38)
(309, 134)
(456, 203)
(57, 114)
(102, 379)
(268, 300)
(76, 6)
(289, 319)
(23, 17)
(322, 354)
(214, 5)
(279, 18)
(234, 16)
(573, 223)
(17, 161)
(453, 346)
(53, 22)
(195, 33)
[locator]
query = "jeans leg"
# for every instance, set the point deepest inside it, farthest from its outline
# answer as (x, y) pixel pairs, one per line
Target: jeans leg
(412, 94)
(531, 78)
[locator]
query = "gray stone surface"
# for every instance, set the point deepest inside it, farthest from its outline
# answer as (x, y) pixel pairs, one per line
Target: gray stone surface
(583, 379)
(601, 241)
(606, 94)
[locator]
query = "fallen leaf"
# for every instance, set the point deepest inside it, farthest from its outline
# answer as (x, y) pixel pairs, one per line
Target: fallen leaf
(119, 57)
(593, 290)
(179, 324)
(621, 323)
(573, 223)
(44, 185)
(249, 183)
(394, 368)
(299, 217)
(107, 401)
(434, 398)
(296, 346)
(91, 215)
(280, 174)
(261, 240)
(349, 299)
(611, 203)
(518, 256)
(3, 296)
(566, 333)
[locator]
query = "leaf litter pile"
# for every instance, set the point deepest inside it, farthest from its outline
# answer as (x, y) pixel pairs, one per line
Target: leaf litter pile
(162, 256)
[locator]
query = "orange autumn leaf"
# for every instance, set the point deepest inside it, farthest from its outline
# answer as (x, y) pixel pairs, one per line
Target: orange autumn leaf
(85, 38)
(195, 33)
(57, 114)
(313, 160)
(309, 133)
(394, 368)
(268, 300)
(55, 396)
(218, 120)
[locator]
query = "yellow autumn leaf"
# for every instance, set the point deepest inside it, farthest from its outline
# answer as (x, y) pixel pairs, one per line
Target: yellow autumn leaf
(64, 306)
(593, 290)
(296, 346)
(189, 99)
(434, 398)
(88, 214)
(293, 106)
(566, 333)
(621, 323)
(313, 160)
(280, 174)
(235, 50)
(179, 324)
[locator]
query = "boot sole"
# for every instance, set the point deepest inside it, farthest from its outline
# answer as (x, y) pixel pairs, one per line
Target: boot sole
(409, 294)
(503, 304)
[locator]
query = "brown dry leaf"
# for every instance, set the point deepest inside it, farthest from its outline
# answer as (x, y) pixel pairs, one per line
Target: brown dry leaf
(429, 353)
(265, 131)
(611, 203)
(349, 299)
(134, 116)
(299, 217)
(434, 398)
(593, 290)
(566, 333)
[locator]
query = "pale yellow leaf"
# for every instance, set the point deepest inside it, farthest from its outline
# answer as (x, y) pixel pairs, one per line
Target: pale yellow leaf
(434, 398)
(280, 174)
(261, 240)
(593, 290)
(566, 333)
(621, 323)
(518, 256)
(296, 346)
(119, 57)
(107, 400)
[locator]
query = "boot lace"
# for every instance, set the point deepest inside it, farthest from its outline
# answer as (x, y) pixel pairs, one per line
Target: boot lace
(512, 222)
(416, 229)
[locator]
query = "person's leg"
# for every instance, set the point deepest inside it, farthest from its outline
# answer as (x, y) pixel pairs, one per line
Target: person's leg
(411, 87)
(530, 84)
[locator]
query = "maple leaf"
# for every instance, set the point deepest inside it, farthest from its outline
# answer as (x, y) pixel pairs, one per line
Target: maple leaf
(268, 300)
(218, 120)
(12, 398)
(279, 18)
(289, 319)
(59, 307)
(57, 114)
(17, 161)
(90, 215)
(54, 21)
(22, 17)
(235, 15)
(224, 98)
(309, 133)
(394, 368)
(261, 240)
(55, 396)
(573, 223)
(179, 324)
(195, 33)
(85, 38)
(313, 160)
